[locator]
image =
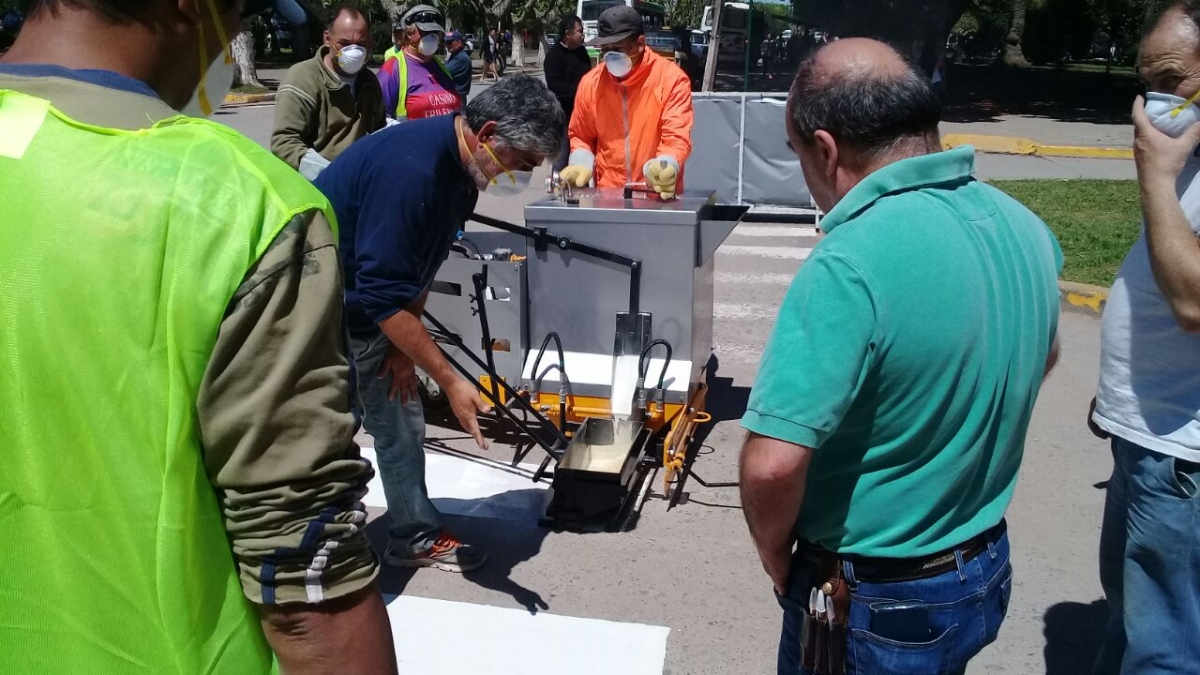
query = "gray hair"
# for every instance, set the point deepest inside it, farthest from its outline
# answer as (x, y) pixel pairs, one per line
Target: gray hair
(873, 113)
(527, 116)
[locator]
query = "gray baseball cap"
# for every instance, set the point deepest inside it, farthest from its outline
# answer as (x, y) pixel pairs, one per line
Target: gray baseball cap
(427, 19)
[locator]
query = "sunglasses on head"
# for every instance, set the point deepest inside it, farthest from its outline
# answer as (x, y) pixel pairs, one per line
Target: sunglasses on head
(423, 17)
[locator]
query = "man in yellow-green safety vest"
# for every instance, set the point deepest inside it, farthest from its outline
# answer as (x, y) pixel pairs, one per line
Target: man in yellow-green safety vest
(180, 488)
(415, 83)
(398, 41)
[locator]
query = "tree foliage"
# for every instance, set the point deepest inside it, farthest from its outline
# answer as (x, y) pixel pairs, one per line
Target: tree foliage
(918, 28)
(1058, 30)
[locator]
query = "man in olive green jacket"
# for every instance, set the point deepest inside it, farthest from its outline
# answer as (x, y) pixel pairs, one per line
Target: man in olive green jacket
(329, 101)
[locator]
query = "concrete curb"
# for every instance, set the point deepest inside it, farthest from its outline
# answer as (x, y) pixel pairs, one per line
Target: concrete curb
(243, 99)
(1082, 298)
(1015, 145)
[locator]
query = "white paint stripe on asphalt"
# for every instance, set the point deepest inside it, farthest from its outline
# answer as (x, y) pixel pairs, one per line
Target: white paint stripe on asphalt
(727, 310)
(429, 638)
(463, 487)
(784, 252)
(765, 279)
(775, 231)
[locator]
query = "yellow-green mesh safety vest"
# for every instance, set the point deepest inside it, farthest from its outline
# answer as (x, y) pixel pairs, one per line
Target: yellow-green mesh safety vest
(119, 253)
(402, 84)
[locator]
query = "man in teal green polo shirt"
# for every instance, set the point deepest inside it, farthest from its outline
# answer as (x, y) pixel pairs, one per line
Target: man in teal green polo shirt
(888, 419)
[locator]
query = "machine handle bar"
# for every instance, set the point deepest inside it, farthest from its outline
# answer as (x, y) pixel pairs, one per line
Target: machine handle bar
(541, 238)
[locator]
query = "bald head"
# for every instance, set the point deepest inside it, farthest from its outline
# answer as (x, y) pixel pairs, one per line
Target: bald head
(857, 58)
(865, 95)
(347, 26)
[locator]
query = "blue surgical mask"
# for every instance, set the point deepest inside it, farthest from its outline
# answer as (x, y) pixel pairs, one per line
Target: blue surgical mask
(1172, 114)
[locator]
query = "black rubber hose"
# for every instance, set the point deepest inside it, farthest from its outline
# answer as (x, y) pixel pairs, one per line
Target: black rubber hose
(467, 242)
(562, 362)
(564, 390)
(643, 362)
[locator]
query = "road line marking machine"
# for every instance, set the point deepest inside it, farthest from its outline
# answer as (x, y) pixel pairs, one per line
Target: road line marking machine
(590, 329)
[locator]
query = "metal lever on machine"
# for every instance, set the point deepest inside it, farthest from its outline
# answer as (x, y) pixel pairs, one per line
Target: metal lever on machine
(565, 189)
(479, 279)
(642, 188)
(541, 238)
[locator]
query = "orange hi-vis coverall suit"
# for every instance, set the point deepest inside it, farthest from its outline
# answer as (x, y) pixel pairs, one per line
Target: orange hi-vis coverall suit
(620, 125)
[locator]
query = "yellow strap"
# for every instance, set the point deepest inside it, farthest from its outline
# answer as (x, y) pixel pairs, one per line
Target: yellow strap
(21, 117)
(402, 86)
(206, 106)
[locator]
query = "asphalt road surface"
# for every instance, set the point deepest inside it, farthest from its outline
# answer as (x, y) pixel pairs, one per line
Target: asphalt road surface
(683, 592)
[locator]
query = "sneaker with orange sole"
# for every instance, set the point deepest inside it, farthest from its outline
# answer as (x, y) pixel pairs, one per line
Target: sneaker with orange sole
(447, 554)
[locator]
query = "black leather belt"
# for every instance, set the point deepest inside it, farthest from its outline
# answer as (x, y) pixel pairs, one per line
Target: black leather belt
(892, 570)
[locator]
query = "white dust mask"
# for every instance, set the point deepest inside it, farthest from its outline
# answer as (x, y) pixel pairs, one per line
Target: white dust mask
(509, 183)
(618, 64)
(428, 45)
(1171, 114)
(352, 58)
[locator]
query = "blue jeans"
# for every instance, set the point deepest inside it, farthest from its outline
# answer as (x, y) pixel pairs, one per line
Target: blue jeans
(966, 607)
(1150, 564)
(399, 432)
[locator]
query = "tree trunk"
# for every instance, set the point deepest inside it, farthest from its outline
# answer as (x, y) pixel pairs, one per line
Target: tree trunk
(1013, 56)
(245, 74)
(542, 49)
(518, 47)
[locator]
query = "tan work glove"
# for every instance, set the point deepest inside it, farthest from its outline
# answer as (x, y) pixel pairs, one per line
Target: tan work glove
(662, 173)
(577, 174)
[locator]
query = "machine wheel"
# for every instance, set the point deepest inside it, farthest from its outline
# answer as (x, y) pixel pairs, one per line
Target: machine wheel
(432, 396)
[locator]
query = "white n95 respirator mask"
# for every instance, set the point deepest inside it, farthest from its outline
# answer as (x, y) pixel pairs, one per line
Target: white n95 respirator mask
(429, 45)
(509, 183)
(352, 58)
(618, 64)
(1172, 114)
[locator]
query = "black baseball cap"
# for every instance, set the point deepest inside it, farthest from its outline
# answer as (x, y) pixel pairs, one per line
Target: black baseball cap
(290, 10)
(616, 24)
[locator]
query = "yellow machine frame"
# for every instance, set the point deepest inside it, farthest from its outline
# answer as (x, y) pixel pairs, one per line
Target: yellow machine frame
(683, 419)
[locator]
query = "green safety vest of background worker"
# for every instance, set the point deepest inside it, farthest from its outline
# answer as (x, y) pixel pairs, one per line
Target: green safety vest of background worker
(398, 40)
(122, 249)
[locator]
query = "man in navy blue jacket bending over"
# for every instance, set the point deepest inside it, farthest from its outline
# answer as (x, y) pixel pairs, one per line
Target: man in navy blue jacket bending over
(401, 195)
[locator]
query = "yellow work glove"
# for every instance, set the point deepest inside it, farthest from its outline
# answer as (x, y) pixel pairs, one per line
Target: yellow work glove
(661, 175)
(577, 174)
